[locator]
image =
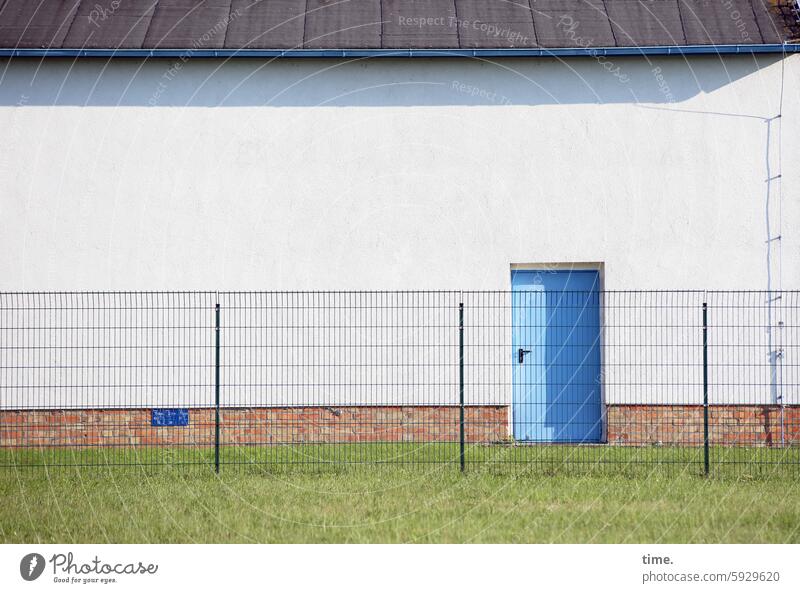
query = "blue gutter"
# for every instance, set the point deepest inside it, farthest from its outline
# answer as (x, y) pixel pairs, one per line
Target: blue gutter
(680, 50)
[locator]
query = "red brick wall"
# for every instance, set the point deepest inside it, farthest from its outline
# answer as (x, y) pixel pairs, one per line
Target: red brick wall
(729, 425)
(626, 425)
(86, 428)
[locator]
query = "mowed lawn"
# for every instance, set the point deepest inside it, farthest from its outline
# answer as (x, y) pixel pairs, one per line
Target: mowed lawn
(392, 503)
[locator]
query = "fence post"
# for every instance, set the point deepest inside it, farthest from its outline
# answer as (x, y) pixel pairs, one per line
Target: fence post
(461, 381)
(705, 389)
(216, 388)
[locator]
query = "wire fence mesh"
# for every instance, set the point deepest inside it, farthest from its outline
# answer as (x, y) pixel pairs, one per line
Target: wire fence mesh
(696, 381)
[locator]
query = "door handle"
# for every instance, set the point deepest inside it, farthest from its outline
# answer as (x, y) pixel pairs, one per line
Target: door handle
(521, 354)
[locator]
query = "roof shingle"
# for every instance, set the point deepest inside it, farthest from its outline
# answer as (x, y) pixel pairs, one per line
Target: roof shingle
(372, 24)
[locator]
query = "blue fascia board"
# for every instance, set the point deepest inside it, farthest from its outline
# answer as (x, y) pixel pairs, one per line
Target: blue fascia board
(665, 50)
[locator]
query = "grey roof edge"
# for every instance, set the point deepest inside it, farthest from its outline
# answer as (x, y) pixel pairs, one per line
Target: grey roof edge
(776, 48)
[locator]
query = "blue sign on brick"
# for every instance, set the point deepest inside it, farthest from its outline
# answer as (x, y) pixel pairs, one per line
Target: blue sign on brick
(170, 417)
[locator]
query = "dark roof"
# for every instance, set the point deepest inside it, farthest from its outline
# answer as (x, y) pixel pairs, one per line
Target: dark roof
(201, 25)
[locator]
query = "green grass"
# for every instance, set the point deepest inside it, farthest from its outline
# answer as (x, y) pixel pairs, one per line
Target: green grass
(563, 494)
(547, 459)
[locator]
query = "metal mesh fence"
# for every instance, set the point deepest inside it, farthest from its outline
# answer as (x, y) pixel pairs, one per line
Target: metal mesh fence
(695, 381)
(93, 378)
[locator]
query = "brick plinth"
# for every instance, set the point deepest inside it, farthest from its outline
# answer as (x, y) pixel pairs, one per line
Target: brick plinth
(253, 426)
(683, 425)
(626, 425)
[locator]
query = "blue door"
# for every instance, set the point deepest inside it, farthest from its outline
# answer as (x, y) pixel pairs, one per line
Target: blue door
(556, 356)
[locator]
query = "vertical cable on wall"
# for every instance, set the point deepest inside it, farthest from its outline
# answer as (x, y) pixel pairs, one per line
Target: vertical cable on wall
(774, 316)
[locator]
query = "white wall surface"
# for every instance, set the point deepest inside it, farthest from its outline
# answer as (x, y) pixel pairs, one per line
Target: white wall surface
(380, 174)
(377, 348)
(397, 174)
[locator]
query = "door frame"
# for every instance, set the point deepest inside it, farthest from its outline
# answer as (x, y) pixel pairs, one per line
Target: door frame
(600, 268)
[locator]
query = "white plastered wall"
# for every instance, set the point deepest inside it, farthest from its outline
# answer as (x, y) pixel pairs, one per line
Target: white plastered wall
(395, 174)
